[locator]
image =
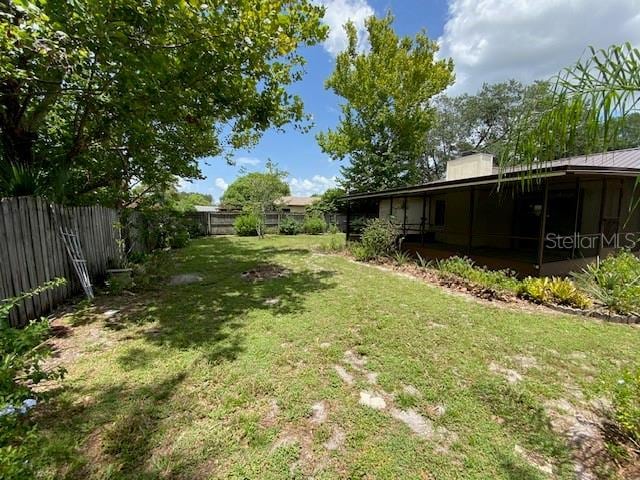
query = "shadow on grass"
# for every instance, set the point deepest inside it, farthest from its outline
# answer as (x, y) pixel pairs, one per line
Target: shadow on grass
(114, 435)
(210, 314)
(525, 419)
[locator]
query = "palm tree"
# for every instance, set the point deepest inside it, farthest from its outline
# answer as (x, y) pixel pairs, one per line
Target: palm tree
(591, 103)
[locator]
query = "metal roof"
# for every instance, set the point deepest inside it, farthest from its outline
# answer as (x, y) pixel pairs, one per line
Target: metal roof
(624, 159)
(620, 162)
(297, 201)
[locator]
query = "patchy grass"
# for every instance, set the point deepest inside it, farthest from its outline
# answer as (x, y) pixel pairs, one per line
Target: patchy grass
(223, 378)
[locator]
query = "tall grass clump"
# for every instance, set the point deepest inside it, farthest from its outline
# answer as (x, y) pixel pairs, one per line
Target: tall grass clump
(614, 282)
(465, 268)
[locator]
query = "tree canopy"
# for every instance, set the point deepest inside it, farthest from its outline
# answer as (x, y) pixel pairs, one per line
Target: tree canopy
(98, 96)
(480, 121)
(594, 108)
(329, 202)
(387, 113)
(256, 192)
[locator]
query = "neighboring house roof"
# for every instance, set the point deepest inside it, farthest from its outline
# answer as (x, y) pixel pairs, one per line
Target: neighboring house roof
(290, 201)
(206, 208)
(618, 162)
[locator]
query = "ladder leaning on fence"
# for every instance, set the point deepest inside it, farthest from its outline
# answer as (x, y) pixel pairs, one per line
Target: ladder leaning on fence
(72, 242)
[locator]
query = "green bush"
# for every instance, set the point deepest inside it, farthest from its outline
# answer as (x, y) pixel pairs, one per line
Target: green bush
(359, 252)
(288, 226)
(333, 229)
(401, 257)
(553, 290)
(615, 282)
(626, 405)
(334, 245)
(463, 267)
(165, 228)
(21, 354)
(314, 225)
(247, 225)
(379, 238)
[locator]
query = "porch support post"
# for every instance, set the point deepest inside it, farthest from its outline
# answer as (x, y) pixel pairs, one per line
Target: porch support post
(348, 228)
(404, 218)
(576, 220)
(543, 226)
(424, 218)
(471, 205)
(603, 198)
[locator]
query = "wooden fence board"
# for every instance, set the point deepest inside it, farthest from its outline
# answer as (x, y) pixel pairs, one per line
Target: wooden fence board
(32, 251)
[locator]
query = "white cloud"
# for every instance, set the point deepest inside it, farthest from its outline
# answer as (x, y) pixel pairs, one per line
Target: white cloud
(246, 161)
(495, 40)
(305, 187)
(339, 12)
(221, 184)
(185, 185)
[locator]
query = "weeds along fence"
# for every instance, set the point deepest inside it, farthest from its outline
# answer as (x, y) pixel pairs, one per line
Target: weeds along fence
(221, 223)
(33, 252)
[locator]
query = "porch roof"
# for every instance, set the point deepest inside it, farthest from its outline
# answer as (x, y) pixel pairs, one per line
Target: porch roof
(618, 163)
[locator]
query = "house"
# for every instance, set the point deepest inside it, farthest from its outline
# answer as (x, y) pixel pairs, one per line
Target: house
(550, 220)
(295, 204)
(206, 208)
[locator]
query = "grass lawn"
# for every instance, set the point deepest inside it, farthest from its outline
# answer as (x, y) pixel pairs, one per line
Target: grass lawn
(233, 378)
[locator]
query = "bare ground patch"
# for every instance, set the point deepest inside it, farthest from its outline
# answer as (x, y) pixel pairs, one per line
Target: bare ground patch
(265, 272)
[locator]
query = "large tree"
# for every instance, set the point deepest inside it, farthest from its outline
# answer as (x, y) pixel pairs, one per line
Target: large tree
(387, 113)
(256, 192)
(95, 96)
(480, 121)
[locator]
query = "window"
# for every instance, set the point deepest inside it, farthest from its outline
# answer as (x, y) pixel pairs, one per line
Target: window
(439, 214)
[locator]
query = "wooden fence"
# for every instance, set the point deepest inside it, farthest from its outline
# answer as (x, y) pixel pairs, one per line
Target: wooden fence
(221, 223)
(32, 250)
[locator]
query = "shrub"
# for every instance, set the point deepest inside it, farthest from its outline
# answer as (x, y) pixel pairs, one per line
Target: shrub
(536, 289)
(379, 238)
(288, 226)
(626, 406)
(359, 252)
(314, 225)
(333, 229)
(421, 261)
(555, 290)
(22, 352)
(463, 267)
(247, 225)
(615, 282)
(165, 228)
(400, 257)
(335, 244)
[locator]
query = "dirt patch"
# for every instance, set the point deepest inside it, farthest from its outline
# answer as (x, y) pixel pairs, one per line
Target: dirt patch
(583, 430)
(419, 425)
(271, 417)
(510, 375)
(185, 279)
(344, 375)
(319, 412)
(372, 378)
(524, 361)
(534, 460)
(411, 390)
(265, 272)
(355, 361)
(336, 440)
(372, 400)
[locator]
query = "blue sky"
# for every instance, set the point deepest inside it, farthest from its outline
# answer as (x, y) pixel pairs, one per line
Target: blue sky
(489, 40)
